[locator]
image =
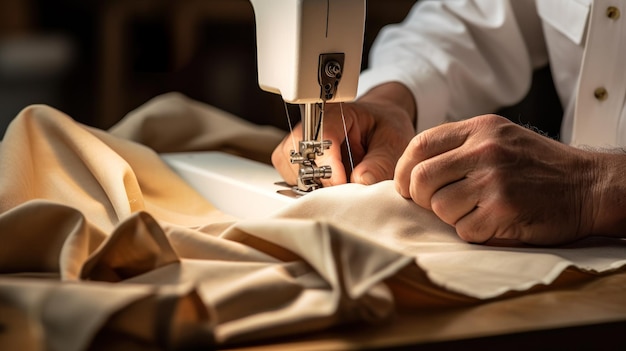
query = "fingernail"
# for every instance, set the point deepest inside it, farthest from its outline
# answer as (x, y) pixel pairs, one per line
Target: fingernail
(368, 178)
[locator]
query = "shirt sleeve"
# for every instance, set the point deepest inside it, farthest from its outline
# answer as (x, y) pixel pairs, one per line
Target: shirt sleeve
(459, 58)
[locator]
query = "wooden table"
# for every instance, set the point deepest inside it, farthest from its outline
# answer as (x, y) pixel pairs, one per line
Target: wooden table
(589, 315)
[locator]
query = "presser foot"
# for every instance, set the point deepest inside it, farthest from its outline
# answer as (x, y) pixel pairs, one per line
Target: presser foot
(289, 191)
(310, 175)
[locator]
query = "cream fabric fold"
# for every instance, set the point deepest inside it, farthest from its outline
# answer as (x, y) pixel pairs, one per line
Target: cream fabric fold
(172, 122)
(380, 214)
(103, 246)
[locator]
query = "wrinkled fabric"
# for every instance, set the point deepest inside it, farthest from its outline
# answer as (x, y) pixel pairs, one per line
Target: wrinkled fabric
(103, 246)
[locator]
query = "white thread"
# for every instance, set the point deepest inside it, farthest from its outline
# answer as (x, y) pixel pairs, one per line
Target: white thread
(322, 123)
(345, 132)
(293, 140)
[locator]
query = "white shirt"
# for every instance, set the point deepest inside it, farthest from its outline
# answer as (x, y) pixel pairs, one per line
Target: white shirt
(463, 58)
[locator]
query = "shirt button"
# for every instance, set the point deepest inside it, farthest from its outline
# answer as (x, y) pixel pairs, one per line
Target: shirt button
(612, 12)
(601, 94)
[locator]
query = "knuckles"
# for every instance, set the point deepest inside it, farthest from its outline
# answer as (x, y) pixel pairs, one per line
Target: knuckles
(420, 142)
(494, 152)
(475, 230)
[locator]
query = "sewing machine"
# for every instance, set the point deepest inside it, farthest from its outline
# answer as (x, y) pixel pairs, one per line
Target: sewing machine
(309, 52)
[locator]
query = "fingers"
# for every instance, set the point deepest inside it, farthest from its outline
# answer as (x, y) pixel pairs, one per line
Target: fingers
(456, 200)
(378, 164)
(377, 135)
(385, 144)
(333, 131)
(281, 160)
(492, 179)
(333, 156)
(478, 226)
(420, 179)
(282, 163)
(419, 160)
(465, 206)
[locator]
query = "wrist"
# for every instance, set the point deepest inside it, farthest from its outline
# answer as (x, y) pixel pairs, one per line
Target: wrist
(610, 195)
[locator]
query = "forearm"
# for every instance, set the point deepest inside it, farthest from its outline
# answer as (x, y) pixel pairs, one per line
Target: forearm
(434, 52)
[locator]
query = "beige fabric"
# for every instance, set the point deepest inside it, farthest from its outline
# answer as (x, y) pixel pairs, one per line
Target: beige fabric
(173, 122)
(486, 271)
(103, 246)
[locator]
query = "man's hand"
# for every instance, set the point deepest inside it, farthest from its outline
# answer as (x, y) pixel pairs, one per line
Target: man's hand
(491, 178)
(379, 127)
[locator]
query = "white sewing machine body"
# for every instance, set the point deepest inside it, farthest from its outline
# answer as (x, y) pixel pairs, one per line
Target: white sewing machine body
(309, 52)
(234, 185)
(292, 34)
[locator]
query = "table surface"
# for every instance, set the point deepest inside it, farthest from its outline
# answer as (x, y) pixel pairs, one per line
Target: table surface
(591, 314)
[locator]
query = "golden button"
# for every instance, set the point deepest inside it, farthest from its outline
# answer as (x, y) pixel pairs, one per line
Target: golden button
(601, 94)
(612, 12)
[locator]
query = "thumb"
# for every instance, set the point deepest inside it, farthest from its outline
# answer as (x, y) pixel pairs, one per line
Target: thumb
(376, 166)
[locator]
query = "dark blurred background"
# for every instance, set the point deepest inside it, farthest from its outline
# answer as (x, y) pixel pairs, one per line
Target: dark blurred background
(96, 60)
